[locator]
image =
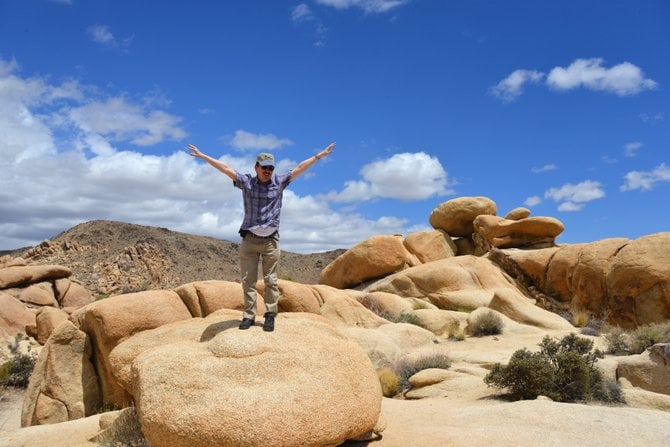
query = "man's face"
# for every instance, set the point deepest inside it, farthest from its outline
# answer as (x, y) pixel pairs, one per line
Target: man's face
(264, 173)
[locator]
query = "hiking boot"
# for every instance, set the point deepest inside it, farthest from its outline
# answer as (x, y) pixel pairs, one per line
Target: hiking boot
(269, 323)
(246, 323)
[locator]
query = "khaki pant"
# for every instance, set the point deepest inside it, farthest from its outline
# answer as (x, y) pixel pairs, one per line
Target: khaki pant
(266, 250)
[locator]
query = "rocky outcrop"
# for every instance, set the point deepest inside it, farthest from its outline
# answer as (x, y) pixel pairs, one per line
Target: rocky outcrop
(430, 246)
(304, 384)
(624, 281)
(24, 275)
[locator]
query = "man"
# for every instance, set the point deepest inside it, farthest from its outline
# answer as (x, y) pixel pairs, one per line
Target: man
(262, 196)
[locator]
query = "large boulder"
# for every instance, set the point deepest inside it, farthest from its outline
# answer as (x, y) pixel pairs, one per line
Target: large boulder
(450, 284)
(63, 385)
(22, 275)
(303, 384)
(530, 231)
(456, 216)
(649, 370)
(71, 294)
(48, 319)
(373, 258)
(638, 281)
(204, 297)
(522, 310)
(431, 245)
(625, 281)
(15, 316)
(113, 319)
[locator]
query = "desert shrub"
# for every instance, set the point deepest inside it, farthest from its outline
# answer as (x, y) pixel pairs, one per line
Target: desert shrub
(17, 370)
(648, 335)
(562, 370)
(617, 340)
(125, 431)
(622, 342)
(455, 332)
(390, 381)
(403, 317)
(486, 323)
(580, 318)
(410, 365)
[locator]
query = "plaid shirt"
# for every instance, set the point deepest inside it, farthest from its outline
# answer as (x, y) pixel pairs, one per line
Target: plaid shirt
(262, 202)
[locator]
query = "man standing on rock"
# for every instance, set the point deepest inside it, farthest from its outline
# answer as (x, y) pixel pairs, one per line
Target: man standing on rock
(262, 196)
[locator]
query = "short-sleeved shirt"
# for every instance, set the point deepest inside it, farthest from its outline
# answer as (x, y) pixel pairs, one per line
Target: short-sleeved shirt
(262, 201)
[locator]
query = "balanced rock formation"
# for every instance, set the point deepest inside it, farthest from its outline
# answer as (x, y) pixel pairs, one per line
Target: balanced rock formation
(529, 231)
(456, 216)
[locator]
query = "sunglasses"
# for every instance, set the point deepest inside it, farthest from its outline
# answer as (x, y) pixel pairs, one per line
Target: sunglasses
(268, 168)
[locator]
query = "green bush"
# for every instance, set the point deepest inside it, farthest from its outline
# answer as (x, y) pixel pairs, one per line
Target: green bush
(486, 323)
(16, 371)
(562, 370)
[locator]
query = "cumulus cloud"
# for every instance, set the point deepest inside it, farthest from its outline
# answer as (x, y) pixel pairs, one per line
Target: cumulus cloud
(302, 13)
(545, 168)
(63, 162)
(103, 35)
(369, 6)
(573, 197)
(622, 79)
(645, 180)
(244, 140)
(404, 176)
(632, 148)
(532, 201)
(121, 120)
(510, 88)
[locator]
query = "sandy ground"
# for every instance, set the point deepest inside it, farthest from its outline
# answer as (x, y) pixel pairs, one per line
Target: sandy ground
(10, 409)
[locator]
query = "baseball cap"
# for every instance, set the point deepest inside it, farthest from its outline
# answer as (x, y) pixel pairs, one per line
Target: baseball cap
(265, 159)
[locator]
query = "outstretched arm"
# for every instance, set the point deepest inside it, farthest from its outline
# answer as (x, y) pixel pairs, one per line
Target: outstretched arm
(218, 164)
(308, 163)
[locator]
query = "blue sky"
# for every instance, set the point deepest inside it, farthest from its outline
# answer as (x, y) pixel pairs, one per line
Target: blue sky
(561, 107)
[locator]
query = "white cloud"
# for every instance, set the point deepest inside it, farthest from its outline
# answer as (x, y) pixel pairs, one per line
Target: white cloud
(545, 168)
(369, 6)
(121, 120)
(101, 34)
(632, 148)
(302, 13)
(532, 201)
(244, 140)
(645, 180)
(573, 197)
(511, 87)
(59, 173)
(404, 176)
(652, 119)
(623, 79)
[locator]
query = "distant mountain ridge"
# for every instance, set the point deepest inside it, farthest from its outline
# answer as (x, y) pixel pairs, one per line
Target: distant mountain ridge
(110, 257)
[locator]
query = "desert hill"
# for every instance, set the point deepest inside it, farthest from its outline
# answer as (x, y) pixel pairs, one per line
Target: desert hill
(109, 257)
